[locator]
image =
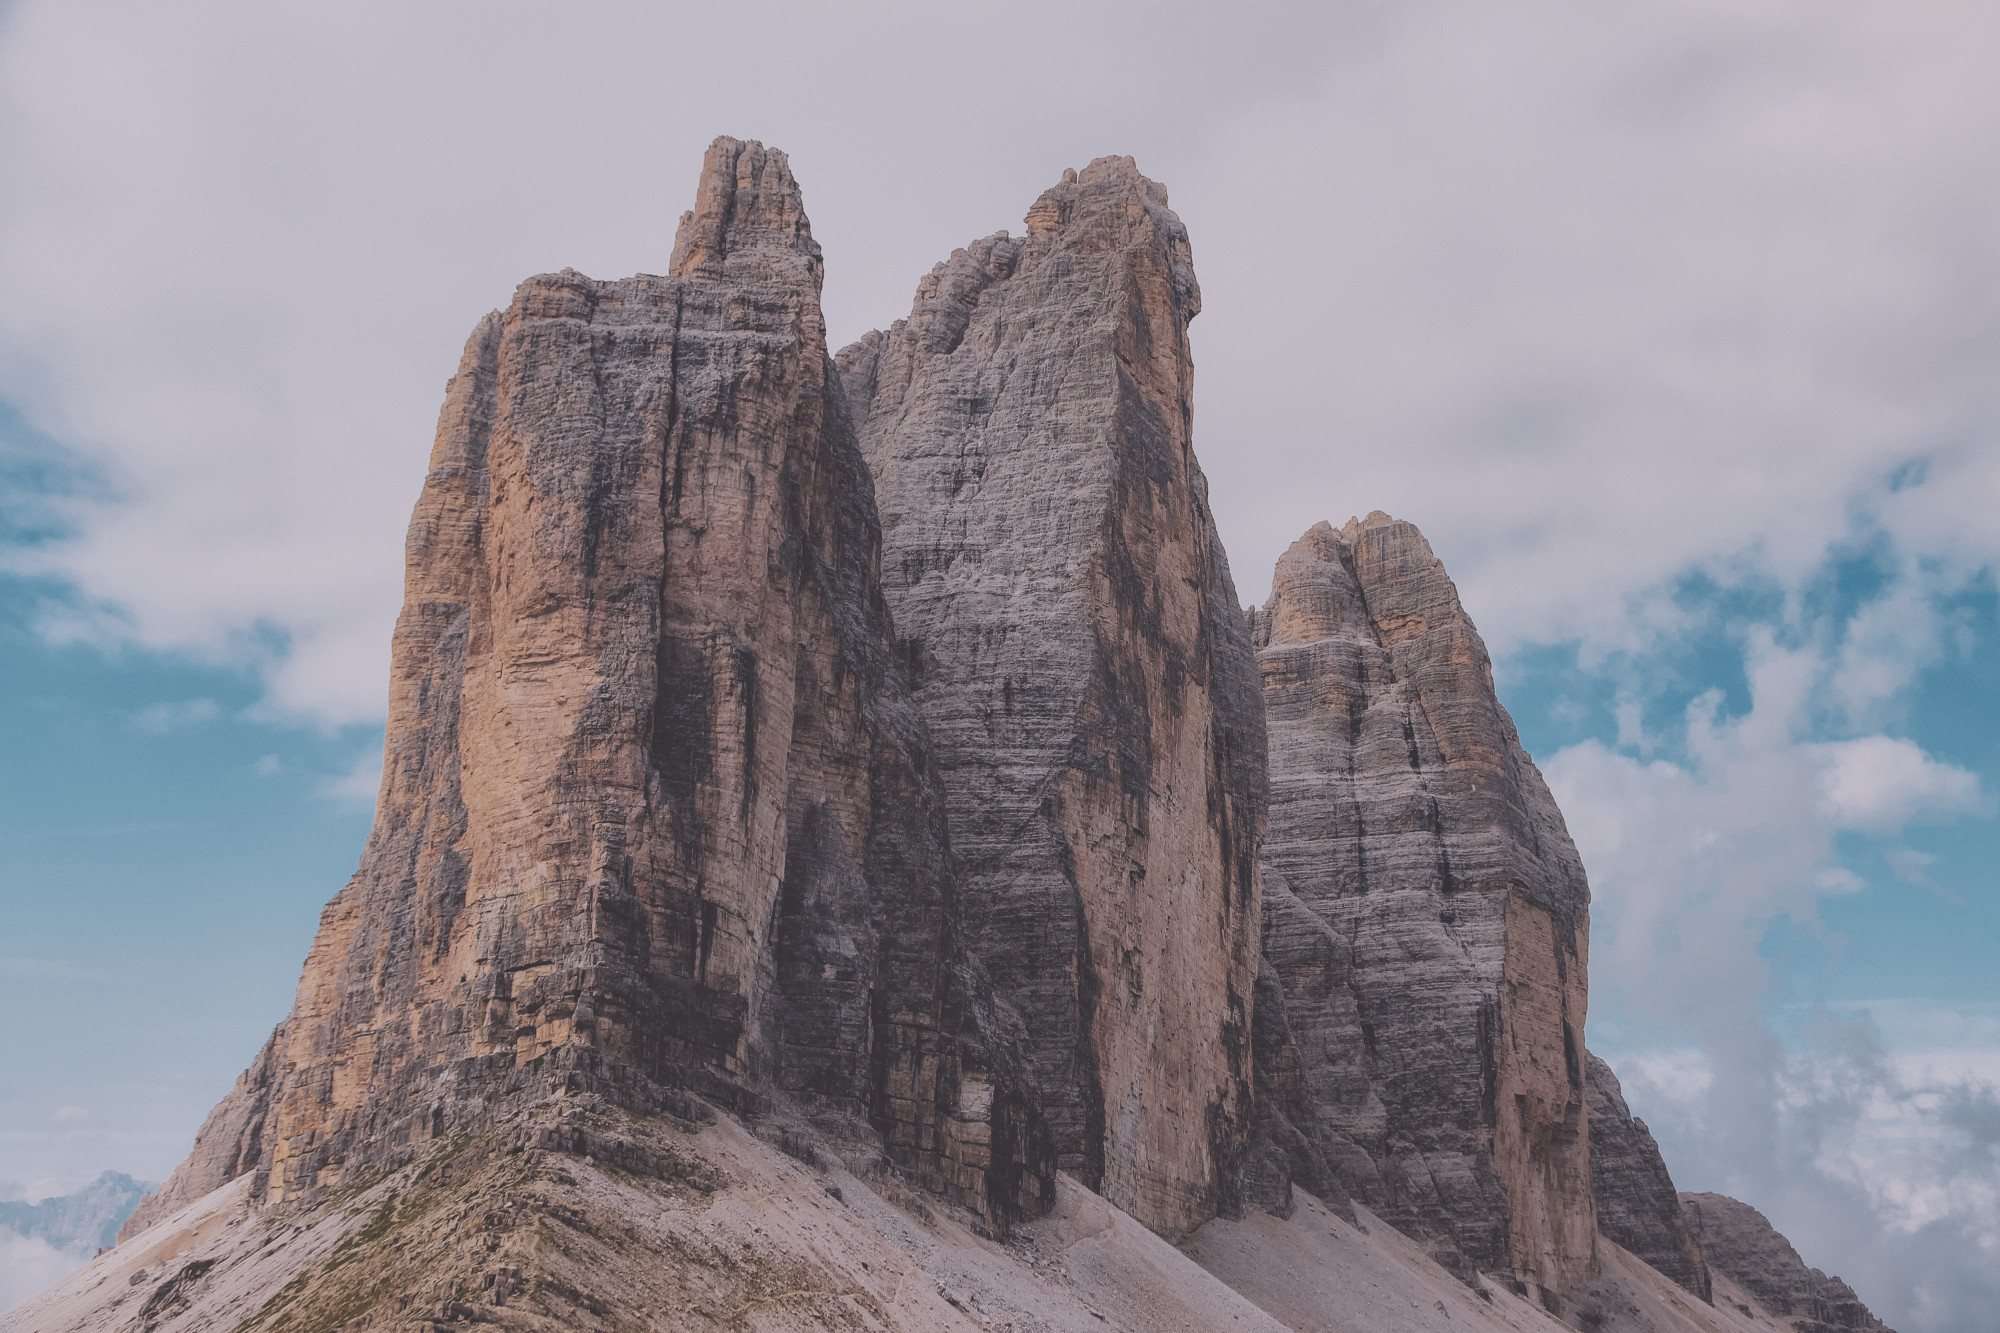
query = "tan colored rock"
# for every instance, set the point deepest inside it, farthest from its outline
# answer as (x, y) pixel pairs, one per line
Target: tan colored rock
(656, 813)
(1066, 614)
(1426, 913)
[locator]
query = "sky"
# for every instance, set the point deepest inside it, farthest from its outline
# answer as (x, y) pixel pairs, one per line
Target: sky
(1671, 324)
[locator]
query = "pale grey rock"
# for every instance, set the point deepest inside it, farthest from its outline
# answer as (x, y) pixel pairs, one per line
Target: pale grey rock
(1637, 1205)
(229, 1143)
(1430, 933)
(1065, 611)
(1741, 1243)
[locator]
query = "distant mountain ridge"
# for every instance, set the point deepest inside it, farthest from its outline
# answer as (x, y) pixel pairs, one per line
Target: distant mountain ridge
(87, 1219)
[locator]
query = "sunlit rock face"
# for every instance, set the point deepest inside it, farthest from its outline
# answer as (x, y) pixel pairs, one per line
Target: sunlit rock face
(656, 812)
(1066, 614)
(1426, 913)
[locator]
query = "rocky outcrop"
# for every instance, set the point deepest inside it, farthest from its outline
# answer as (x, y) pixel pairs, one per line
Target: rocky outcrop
(1065, 612)
(1742, 1244)
(656, 813)
(1426, 913)
(1637, 1205)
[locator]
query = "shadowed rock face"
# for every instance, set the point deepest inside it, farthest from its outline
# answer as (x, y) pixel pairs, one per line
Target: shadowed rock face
(1066, 614)
(1741, 1243)
(656, 812)
(1637, 1205)
(1426, 913)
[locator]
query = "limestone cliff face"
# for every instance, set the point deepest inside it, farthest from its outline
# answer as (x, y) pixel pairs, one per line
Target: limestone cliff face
(1637, 1205)
(1426, 912)
(1743, 1245)
(656, 811)
(1066, 615)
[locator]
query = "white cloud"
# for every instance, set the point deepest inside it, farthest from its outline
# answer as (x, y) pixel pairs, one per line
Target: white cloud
(1859, 1140)
(69, 1115)
(358, 787)
(1692, 861)
(1597, 295)
(1881, 784)
(1892, 1166)
(27, 1265)
(1681, 1075)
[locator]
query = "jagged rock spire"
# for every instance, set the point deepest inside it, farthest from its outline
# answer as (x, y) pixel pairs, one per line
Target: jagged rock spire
(749, 221)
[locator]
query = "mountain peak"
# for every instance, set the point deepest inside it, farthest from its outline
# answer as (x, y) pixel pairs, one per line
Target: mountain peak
(748, 223)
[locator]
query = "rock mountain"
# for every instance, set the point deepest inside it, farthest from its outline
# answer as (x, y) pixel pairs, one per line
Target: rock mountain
(846, 860)
(81, 1222)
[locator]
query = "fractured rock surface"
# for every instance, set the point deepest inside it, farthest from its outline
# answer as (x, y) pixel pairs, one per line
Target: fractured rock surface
(656, 811)
(1637, 1205)
(1740, 1242)
(1066, 614)
(1426, 912)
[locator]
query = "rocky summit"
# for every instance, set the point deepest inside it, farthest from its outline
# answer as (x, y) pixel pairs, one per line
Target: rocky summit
(845, 860)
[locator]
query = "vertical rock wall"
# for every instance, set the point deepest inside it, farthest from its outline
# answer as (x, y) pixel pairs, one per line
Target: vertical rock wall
(1426, 913)
(656, 810)
(1066, 615)
(1637, 1205)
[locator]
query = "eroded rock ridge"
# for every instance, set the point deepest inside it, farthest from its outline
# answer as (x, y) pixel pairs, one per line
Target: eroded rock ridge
(1740, 1242)
(1637, 1205)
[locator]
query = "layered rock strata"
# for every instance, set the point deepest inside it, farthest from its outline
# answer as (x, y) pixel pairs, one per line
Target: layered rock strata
(1065, 612)
(656, 811)
(1426, 913)
(1637, 1205)
(1741, 1243)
